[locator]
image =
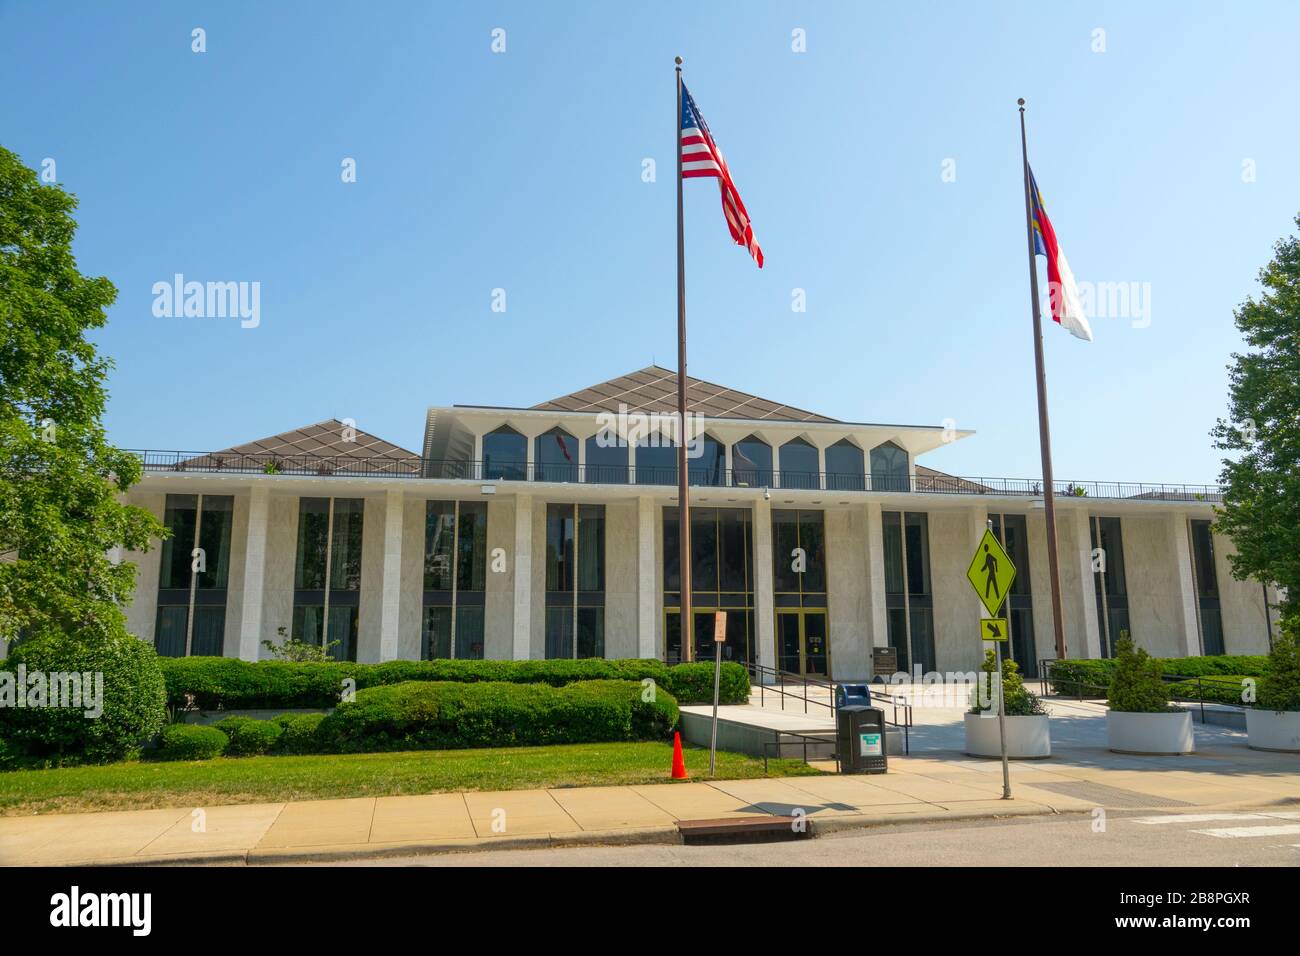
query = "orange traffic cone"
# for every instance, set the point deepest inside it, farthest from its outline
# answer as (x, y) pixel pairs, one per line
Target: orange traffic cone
(679, 764)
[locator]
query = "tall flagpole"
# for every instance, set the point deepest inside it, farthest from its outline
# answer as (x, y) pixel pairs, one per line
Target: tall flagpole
(1044, 431)
(684, 507)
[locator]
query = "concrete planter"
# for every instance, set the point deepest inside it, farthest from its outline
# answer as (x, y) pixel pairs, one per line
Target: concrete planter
(1274, 730)
(1028, 738)
(1162, 734)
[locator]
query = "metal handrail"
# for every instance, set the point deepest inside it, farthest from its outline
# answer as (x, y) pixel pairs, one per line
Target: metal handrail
(1200, 679)
(757, 671)
(411, 466)
(803, 739)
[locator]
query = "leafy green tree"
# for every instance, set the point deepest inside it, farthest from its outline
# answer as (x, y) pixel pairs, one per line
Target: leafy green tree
(60, 479)
(1261, 501)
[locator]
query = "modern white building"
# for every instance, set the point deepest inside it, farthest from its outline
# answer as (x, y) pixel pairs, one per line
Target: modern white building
(551, 531)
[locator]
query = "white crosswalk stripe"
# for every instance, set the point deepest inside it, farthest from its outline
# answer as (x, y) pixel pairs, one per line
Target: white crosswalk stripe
(1253, 824)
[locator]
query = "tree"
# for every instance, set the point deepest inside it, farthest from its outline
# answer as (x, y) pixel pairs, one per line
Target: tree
(60, 479)
(1261, 500)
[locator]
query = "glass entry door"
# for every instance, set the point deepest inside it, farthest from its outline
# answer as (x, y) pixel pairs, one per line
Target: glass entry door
(801, 645)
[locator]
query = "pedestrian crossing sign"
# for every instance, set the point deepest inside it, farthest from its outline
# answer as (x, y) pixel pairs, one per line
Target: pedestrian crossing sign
(991, 572)
(993, 629)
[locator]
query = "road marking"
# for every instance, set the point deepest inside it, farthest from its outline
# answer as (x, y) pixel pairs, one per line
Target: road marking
(1251, 831)
(1200, 817)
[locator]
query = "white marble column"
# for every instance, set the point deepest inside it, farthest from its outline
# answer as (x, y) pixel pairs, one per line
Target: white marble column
(1087, 586)
(1186, 617)
(876, 575)
(250, 626)
(764, 593)
(523, 576)
(647, 579)
(390, 610)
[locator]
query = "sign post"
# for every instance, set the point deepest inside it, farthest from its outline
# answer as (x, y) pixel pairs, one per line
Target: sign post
(719, 638)
(991, 573)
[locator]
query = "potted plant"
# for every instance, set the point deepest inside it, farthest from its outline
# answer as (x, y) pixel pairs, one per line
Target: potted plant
(1140, 719)
(1274, 722)
(1028, 734)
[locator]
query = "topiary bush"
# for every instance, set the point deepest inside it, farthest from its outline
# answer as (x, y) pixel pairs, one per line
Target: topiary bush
(133, 705)
(1279, 690)
(232, 684)
(1135, 684)
(190, 742)
(436, 715)
(249, 737)
(298, 733)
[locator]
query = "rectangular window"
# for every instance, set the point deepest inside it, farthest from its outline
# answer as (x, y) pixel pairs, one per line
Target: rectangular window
(799, 558)
(1013, 531)
(455, 575)
(722, 579)
(575, 581)
(1207, 588)
(194, 573)
(327, 574)
(909, 602)
(1110, 590)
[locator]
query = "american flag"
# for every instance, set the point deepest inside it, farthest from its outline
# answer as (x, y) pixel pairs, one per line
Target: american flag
(701, 157)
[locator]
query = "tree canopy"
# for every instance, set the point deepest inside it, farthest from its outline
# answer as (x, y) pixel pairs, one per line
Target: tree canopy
(60, 479)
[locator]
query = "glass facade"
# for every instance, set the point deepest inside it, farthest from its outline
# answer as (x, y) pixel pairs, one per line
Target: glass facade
(751, 463)
(455, 580)
(1013, 532)
(575, 581)
(327, 574)
(889, 470)
(193, 576)
(799, 580)
(709, 468)
(505, 455)
(844, 467)
(606, 461)
(555, 456)
(722, 579)
(656, 464)
(909, 600)
(1207, 588)
(1110, 590)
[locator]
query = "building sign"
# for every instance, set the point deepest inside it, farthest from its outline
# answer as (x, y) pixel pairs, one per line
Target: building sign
(720, 627)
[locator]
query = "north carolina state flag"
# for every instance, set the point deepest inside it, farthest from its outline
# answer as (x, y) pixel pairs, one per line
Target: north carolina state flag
(1063, 294)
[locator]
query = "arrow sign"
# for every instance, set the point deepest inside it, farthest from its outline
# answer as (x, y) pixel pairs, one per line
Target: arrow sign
(991, 572)
(993, 629)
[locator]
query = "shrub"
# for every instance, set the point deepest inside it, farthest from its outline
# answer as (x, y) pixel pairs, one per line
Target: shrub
(298, 733)
(1019, 701)
(1279, 690)
(134, 699)
(190, 742)
(431, 715)
(226, 682)
(1135, 685)
(248, 737)
(1093, 676)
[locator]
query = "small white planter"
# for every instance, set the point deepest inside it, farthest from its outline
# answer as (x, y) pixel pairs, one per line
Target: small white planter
(1028, 738)
(1162, 734)
(1274, 730)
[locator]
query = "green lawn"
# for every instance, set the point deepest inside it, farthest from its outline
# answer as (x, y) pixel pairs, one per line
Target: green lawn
(142, 785)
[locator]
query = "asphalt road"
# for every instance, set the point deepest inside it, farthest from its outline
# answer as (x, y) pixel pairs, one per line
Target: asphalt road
(1123, 838)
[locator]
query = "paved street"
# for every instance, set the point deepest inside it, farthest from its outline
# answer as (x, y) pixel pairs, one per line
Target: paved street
(1142, 839)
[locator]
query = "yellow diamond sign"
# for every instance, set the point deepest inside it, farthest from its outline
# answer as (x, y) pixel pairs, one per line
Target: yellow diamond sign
(991, 572)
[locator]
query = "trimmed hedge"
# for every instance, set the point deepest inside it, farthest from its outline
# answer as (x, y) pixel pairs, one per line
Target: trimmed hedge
(1066, 676)
(297, 733)
(441, 715)
(190, 742)
(232, 684)
(134, 699)
(249, 737)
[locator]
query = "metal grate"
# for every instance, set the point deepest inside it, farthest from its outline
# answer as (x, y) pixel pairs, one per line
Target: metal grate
(1113, 798)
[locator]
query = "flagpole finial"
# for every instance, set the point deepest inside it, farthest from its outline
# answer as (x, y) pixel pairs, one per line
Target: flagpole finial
(678, 61)
(1021, 103)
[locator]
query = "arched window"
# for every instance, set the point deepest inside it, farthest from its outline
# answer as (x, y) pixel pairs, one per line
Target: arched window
(709, 466)
(799, 465)
(656, 461)
(505, 454)
(606, 460)
(555, 456)
(889, 468)
(844, 467)
(751, 463)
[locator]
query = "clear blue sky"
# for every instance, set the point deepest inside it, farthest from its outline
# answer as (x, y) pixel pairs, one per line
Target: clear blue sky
(522, 171)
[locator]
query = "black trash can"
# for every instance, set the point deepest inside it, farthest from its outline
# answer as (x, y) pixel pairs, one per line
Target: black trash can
(860, 739)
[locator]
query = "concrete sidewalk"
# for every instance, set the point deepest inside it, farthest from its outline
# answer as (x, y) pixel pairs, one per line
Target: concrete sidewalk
(917, 789)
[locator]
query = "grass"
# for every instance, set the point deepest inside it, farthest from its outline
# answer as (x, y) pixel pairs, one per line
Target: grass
(143, 785)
